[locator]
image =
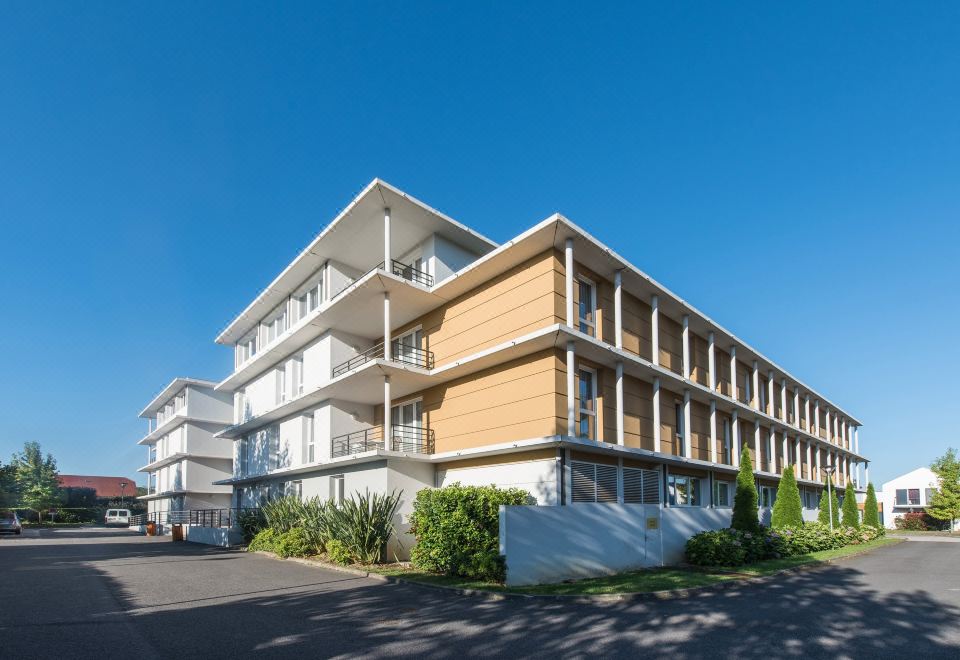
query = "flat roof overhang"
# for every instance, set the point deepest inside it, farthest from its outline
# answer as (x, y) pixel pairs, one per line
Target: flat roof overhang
(355, 238)
(167, 393)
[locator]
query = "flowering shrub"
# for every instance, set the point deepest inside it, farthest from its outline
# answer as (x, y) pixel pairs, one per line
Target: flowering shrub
(731, 547)
(915, 521)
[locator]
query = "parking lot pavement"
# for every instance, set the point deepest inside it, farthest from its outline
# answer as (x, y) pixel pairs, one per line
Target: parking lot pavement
(97, 593)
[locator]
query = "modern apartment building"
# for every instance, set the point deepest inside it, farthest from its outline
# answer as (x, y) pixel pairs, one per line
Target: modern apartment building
(402, 350)
(184, 459)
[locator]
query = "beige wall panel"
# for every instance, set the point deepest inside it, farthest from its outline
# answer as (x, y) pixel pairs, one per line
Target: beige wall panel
(699, 359)
(744, 375)
(637, 337)
(502, 459)
(699, 431)
(669, 443)
(723, 371)
(671, 344)
(589, 457)
(638, 413)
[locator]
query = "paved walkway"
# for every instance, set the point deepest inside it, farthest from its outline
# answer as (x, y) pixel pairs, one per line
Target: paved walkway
(103, 593)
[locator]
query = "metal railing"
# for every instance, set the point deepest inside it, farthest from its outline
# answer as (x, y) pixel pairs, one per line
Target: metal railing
(409, 439)
(398, 353)
(408, 272)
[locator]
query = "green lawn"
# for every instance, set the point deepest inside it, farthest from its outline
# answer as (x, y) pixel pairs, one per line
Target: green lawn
(658, 579)
(906, 532)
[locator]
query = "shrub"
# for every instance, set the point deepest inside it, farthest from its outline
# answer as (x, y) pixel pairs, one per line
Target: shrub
(823, 516)
(915, 521)
(787, 510)
(292, 543)
(363, 524)
(250, 521)
(745, 513)
(851, 514)
(263, 540)
(457, 529)
(730, 547)
(871, 516)
(337, 552)
(283, 513)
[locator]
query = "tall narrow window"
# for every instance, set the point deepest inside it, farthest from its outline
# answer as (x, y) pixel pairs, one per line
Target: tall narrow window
(406, 422)
(587, 309)
(763, 398)
(281, 385)
(406, 348)
(747, 388)
(298, 375)
(308, 439)
(588, 404)
(678, 412)
(726, 459)
(336, 488)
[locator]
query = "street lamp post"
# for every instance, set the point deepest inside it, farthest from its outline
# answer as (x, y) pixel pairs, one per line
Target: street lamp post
(123, 487)
(829, 470)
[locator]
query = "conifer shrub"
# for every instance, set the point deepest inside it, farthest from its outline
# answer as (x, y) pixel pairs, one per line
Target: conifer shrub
(787, 510)
(745, 512)
(851, 514)
(871, 516)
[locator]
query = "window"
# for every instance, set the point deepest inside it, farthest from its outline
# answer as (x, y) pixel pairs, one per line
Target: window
(683, 490)
(309, 454)
(748, 388)
(908, 497)
(726, 443)
(593, 482)
(721, 493)
(588, 404)
(810, 499)
(275, 324)
(406, 348)
(336, 488)
(246, 348)
(309, 298)
(281, 385)
(587, 309)
(768, 496)
(763, 398)
(641, 486)
(292, 489)
(678, 413)
(298, 375)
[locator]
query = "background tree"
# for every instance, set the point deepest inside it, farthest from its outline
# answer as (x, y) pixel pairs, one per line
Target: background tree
(945, 503)
(871, 518)
(745, 513)
(8, 486)
(36, 478)
(787, 510)
(851, 515)
(824, 515)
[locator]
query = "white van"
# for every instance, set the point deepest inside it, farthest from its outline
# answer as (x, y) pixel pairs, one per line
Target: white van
(119, 517)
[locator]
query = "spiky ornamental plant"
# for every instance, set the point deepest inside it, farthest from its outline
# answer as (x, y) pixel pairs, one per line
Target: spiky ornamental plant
(745, 514)
(787, 510)
(851, 515)
(871, 517)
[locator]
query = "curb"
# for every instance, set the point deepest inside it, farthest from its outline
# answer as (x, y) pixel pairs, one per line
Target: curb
(638, 596)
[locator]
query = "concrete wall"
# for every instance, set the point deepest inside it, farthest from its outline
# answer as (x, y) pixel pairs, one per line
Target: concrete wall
(220, 536)
(537, 476)
(206, 403)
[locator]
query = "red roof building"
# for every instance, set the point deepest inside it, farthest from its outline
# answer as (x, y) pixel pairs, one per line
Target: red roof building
(105, 486)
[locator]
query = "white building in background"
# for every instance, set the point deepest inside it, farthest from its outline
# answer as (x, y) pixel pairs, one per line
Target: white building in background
(184, 459)
(908, 493)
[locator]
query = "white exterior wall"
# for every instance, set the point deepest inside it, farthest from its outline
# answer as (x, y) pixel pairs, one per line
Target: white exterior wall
(340, 275)
(206, 403)
(539, 478)
(442, 257)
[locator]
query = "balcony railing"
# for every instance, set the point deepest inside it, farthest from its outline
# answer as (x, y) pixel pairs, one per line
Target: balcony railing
(409, 439)
(399, 353)
(401, 269)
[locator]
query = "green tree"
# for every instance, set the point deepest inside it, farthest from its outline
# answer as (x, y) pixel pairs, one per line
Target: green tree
(745, 513)
(36, 478)
(851, 515)
(945, 503)
(8, 486)
(824, 515)
(871, 518)
(787, 510)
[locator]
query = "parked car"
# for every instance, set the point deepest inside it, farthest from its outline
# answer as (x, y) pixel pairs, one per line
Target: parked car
(118, 517)
(10, 522)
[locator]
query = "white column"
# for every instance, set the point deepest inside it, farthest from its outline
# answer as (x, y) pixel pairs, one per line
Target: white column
(571, 393)
(568, 278)
(806, 413)
(618, 309)
(733, 373)
(866, 472)
(797, 460)
(756, 386)
(656, 414)
(686, 346)
(771, 401)
(655, 329)
(687, 448)
(796, 407)
(816, 418)
(828, 429)
(810, 474)
(819, 474)
(773, 450)
(835, 433)
(843, 433)
(620, 439)
(783, 400)
(735, 437)
(387, 339)
(856, 439)
(756, 445)
(386, 241)
(785, 451)
(711, 362)
(713, 431)
(387, 409)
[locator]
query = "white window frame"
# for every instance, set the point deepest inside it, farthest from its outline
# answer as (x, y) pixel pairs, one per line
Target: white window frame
(673, 493)
(309, 439)
(397, 345)
(337, 488)
(298, 375)
(281, 375)
(728, 486)
(581, 321)
(581, 410)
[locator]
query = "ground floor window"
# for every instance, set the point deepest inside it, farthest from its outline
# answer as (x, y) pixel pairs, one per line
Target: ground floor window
(641, 486)
(292, 489)
(722, 493)
(684, 490)
(593, 482)
(768, 496)
(811, 499)
(336, 488)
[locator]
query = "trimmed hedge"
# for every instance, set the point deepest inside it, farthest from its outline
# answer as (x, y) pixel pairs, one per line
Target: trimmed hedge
(458, 527)
(732, 547)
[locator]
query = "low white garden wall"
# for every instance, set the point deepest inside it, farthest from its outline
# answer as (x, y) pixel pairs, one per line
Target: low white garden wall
(219, 536)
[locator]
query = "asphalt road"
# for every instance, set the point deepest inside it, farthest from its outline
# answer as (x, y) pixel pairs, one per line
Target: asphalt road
(97, 593)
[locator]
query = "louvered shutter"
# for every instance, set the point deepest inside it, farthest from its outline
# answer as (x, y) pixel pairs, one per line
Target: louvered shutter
(584, 481)
(606, 483)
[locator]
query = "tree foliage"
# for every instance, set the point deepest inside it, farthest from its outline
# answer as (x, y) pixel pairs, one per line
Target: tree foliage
(945, 503)
(745, 514)
(8, 486)
(824, 516)
(787, 510)
(36, 478)
(851, 515)
(871, 517)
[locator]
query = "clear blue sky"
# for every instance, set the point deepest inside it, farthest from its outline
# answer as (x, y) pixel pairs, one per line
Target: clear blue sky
(161, 162)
